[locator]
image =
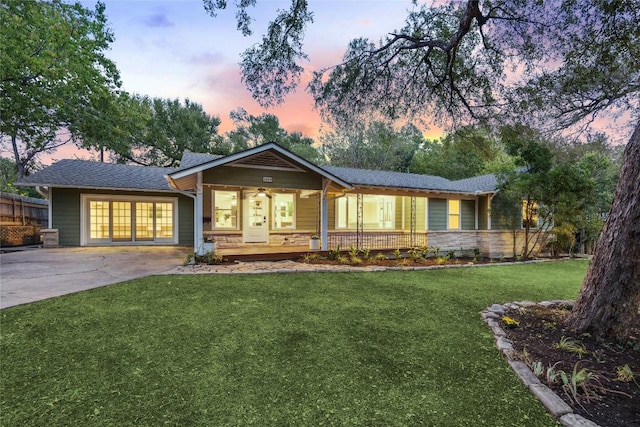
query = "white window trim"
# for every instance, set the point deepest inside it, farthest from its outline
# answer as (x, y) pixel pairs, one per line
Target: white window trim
(294, 215)
(213, 210)
(85, 198)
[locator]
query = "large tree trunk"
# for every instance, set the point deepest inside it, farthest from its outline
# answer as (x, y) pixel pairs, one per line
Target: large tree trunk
(610, 296)
(16, 156)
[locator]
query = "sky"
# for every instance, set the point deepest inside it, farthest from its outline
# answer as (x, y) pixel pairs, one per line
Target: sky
(174, 49)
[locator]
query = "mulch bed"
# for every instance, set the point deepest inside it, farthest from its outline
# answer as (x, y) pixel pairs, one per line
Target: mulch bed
(613, 402)
(402, 262)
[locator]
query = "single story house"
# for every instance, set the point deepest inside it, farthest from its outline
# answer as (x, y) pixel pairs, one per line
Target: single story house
(267, 196)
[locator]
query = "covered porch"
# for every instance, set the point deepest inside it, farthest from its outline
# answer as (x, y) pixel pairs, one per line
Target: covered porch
(257, 200)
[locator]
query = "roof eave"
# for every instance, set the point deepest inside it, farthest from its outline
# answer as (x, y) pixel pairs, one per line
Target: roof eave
(93, 187)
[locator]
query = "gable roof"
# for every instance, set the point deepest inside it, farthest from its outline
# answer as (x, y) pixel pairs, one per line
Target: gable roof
(72, 173)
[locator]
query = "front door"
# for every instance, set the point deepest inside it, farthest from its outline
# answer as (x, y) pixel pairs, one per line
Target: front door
(256, 218)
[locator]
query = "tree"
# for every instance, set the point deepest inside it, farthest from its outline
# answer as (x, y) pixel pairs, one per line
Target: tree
(377, 146)
(8, 176)
(161, 130)
(53, 68)
(608, 302)
(461, 61)
(465, 153)
(257, 130)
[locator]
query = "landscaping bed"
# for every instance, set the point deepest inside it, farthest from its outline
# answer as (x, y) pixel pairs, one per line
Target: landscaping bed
(601, 378)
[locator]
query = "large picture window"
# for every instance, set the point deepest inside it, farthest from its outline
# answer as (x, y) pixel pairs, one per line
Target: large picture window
(225, 209)
(117, 219)
(283, 211)
(378, 212)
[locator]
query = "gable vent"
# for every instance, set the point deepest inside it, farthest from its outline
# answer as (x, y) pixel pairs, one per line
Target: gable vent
(266, 160)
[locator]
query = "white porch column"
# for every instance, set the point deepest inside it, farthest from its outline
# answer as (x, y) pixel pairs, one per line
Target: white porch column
(324, 216)
(198, 238)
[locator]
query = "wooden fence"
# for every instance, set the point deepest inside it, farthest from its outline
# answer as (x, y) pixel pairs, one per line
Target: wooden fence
(21, 219)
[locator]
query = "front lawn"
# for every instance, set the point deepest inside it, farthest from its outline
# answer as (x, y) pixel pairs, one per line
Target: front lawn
(310, 349)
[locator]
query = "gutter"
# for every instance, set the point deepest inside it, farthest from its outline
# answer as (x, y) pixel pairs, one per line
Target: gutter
(43, 191)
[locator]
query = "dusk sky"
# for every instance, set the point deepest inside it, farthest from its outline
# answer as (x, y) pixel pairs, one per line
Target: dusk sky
(174, 49)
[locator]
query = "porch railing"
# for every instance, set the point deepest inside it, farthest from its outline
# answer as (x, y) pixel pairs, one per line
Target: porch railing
(382, 240)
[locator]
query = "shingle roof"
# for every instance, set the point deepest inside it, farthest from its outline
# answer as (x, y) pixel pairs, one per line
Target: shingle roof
(379, 178)
(388, 179)
(482, 183)
(89, 174)
(190, 159)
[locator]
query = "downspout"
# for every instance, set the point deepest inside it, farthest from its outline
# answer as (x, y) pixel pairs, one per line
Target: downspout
(45, 194)
(174, 187)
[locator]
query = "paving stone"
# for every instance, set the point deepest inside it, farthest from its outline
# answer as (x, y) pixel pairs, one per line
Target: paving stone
(524, 372)
(575, 420)
(498, 308)
(554, 404)
(526, 303)
(498, 331)
(490, 315)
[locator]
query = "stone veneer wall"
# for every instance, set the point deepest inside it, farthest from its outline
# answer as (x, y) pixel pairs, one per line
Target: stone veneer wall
(492, 243)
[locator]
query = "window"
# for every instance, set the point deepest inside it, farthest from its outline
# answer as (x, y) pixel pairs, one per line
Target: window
(283, 210)
(122, 219)
(454, 214)
(164, 220)
(529, 214)
(121, 214)
(378, 212)
(144, 221)
(99, 220)
(225, 209)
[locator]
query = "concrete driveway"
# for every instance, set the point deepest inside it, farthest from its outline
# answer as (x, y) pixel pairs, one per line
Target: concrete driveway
(33, 275)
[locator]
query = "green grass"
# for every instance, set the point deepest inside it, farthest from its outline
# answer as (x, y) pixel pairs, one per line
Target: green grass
(358, 349)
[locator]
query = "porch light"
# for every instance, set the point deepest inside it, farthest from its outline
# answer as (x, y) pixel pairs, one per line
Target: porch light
(261, 193)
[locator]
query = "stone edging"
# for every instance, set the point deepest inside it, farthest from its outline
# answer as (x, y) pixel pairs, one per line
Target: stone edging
(550, 400)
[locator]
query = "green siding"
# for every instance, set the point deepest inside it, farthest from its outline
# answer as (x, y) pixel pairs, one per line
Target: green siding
(185, 220)
(437, 214)
(483, 212)
(468, 212)
(248, 177)
(65, 211)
